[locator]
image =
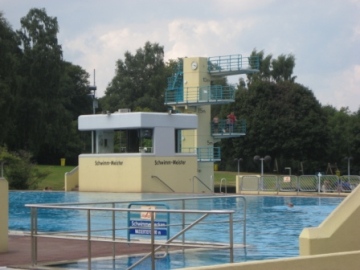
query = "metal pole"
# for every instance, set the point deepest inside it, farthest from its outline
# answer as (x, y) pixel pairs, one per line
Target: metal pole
(238, 166)
(2, 169)
(33, 236)
(89, 238)
(113, 232)
(349, 170)
(231, 232)
(152, 242)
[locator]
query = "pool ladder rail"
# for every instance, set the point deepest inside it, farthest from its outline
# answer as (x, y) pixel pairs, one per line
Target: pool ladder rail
(221, 181)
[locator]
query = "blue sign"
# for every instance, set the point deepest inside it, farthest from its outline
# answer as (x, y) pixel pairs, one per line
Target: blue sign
(143, 227)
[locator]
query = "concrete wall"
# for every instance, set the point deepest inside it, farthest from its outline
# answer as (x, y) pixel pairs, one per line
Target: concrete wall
(4, 214)
(338, 232)
(248, 182)
(335, 261)
(72, 180)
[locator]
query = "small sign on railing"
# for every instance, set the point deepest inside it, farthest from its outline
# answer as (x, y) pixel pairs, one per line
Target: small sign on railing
(139, 222)
(287, 179)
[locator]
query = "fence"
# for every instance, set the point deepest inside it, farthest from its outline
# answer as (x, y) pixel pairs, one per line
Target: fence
(292, 183)
(146, 222)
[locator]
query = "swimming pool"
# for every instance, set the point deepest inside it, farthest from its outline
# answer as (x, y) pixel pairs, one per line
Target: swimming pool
(273, 229)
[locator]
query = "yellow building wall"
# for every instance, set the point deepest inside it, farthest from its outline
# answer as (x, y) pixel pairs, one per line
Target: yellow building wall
(4, 214)
(120, 173)
(110, 174)
(196, 80)
(338, 232)
(206, 175)
(72, 180)
(176, 172)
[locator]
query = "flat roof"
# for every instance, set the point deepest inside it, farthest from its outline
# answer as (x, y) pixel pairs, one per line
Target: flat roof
(133, 120)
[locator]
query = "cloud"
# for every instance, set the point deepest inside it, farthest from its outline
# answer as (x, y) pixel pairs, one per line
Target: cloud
(346, 85)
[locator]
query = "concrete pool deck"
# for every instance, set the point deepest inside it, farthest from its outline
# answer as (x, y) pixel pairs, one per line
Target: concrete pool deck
(56, 250)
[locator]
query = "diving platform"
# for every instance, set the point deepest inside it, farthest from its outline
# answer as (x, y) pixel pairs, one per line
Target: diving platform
(228, 65)
(223, 130)
(191, 84)
(197, 96)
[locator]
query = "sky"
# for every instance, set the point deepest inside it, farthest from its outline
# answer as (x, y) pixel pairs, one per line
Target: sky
(324, 36)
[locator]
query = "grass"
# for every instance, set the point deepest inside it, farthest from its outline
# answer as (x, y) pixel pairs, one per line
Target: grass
(55, 177)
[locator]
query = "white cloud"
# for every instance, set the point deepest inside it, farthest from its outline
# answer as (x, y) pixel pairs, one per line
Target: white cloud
(342, 89)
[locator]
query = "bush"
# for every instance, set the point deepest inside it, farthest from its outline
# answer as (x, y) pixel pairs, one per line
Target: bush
(19, 170)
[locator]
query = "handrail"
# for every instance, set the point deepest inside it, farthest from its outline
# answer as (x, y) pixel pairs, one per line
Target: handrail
(154, 176)
(225, 185)
(169, 241)
(81, 206)
(35, 235)
(201, 183)
(72, 171)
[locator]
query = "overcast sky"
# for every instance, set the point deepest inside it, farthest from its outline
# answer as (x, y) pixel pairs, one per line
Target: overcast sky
(324, 36)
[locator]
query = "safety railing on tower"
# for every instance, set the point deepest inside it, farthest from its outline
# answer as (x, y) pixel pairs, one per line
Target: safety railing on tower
(212, 94)
(232, 65)
(204, 154)
(223, 129)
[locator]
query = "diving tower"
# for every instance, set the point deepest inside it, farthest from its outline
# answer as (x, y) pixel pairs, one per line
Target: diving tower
(191, 90)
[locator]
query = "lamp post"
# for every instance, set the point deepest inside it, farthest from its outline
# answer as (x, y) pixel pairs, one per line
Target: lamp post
(266, 158)
(238, 164)
(92, 90)
(348, 166)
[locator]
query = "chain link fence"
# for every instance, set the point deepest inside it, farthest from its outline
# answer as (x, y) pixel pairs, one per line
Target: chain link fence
(292, 183)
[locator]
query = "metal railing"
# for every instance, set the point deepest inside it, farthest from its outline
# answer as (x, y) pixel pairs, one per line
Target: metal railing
(163, 182)
(303, 183)
(212, 94)
(221, 181)
(109, 211)
(232, 63)
(199, 180)
(223, 128)
(204, 154)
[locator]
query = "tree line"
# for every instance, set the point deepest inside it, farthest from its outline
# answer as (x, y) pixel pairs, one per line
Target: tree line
(42, 96)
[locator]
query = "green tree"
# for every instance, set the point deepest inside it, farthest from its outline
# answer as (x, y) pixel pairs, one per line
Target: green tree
(9, 59)
(282, 68)
(344, 133)
(38, 103)
(139, 82)
(284, 120)
(278, 70)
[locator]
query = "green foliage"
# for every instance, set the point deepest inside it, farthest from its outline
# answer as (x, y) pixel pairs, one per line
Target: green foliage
(284, 120)
(9, 63)
(19, 170)
(139, 82)
(278, 70)
(44, 94)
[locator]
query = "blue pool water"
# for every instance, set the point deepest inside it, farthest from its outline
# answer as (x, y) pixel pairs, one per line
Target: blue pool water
(272, 228)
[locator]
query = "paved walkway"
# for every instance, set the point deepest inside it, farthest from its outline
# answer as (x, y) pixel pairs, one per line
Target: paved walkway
(54, 250)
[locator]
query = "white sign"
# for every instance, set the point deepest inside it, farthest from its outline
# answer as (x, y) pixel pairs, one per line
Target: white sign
(287, 179)
(147, 215)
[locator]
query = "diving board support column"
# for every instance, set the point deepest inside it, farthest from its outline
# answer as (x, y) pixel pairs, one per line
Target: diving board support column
(4, 214)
